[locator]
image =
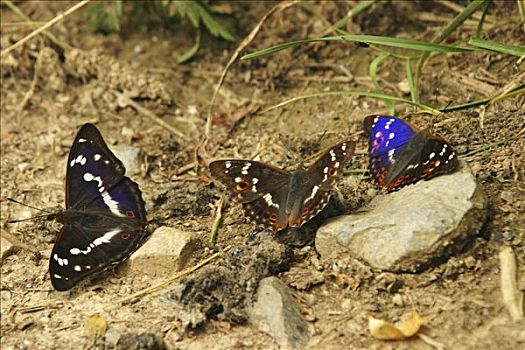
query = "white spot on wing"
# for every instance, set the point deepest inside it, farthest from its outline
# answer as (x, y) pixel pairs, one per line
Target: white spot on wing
(81, 140)
(106, 238)
(431, 155)
(97, 157)
(312, 195)
(245, 168)
(88, 177)
(268, 198)
(111, 203)
(332, 155)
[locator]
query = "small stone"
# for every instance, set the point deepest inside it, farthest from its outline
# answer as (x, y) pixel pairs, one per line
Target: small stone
(166, 249)
(507, 196)
(111, 337)
(397, 299)
(276, 313)
(133, 158)
(409, 229)
(23, 166)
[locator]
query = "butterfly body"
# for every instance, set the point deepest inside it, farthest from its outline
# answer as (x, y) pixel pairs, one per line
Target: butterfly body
(277, 199)
(401, 154)
(105, 219)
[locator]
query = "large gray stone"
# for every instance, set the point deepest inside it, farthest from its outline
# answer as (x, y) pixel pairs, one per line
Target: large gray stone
(133, 158)
(276, 313)
(409, 229)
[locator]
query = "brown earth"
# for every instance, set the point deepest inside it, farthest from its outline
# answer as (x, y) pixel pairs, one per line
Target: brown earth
(48, 93)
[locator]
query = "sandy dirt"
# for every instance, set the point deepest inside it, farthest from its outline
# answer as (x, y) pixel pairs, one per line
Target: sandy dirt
(48, 93)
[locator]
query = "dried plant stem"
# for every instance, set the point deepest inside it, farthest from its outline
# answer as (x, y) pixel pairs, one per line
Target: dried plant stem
(217, 221)
(29, 21)
(512, 296)
(45, 26)
(125, 100)
(173, 278)
(277, 8)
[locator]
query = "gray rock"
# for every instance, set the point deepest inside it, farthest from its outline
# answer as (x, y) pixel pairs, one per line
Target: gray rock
(133, 158)
(409, 229)
(276, 313)
(167, 250)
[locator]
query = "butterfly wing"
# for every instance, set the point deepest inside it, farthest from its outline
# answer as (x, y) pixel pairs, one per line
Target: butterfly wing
(91, 168)
(105, 217)
(261, 188)
(313, 193)
(387, 136)
(424, 156)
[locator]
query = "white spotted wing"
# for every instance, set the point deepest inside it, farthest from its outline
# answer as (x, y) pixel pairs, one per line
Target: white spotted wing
(277, 199)
(104, 221)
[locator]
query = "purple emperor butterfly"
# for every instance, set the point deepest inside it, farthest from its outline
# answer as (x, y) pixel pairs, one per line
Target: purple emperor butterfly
(104, 221)
(401, 154)
(275, 198)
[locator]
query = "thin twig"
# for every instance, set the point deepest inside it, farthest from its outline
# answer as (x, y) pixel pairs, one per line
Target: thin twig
(31, 91)
(277, 8)
(431, 341)
(51, 37)
(173, 278)
(45, 26)
(217, 221)
(512, 296)
(124, 100)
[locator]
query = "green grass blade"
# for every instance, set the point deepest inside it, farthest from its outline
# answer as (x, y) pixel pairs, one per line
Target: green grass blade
(372, 71)
(456, 22)
(410, 78)
(285, 46)
(404, 43)
(353, 93)
(498, 47)
(482, 19)
(191, 52)
(360, 7)
(367, 39)
(514, 92)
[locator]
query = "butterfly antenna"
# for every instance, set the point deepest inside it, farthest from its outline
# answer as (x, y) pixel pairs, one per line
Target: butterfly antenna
(27, 205)
(47, 216)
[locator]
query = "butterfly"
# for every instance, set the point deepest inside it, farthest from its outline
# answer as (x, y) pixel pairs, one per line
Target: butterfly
(275, 198)
(400, 154)
(105, 219)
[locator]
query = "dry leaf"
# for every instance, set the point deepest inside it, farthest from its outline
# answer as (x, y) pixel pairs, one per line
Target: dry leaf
(387, 331)
(95, 326)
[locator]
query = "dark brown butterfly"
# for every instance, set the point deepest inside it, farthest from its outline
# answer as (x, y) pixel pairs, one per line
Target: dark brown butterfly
(277, 199)
(104, 221)
(401, 154)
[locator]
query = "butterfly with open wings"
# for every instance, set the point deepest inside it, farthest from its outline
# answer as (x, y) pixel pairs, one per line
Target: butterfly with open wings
(275, 198)
(105, 219)
(400, 154)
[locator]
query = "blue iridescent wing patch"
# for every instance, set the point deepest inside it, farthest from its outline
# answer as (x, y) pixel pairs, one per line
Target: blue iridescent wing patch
(400, 154)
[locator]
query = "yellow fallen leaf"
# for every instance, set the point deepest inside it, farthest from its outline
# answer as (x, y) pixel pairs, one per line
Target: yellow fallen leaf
(385, 330)
(95, 326)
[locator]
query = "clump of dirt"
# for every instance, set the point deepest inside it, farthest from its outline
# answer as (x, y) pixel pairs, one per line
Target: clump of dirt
(224, 292)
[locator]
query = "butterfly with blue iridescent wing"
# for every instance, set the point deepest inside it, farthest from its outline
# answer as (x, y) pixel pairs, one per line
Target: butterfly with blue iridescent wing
(275, 198)
(400, 154)
(105, 219)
